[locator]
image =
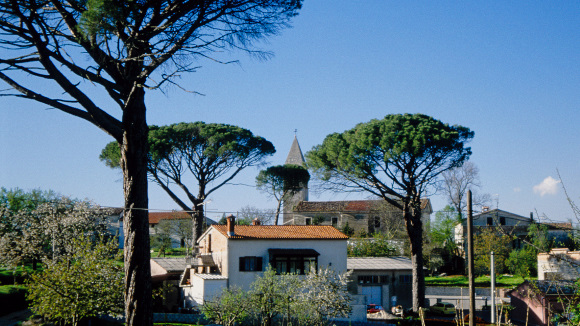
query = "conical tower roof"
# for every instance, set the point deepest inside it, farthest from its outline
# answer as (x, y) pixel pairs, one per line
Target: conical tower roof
(295, 155)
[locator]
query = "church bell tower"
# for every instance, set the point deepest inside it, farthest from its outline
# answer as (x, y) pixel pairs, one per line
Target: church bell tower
(295, 157)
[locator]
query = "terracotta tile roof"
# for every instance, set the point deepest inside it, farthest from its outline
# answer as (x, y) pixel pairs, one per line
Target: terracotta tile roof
(561, 225)
(345, 205)
(155, 217)
(301, 232)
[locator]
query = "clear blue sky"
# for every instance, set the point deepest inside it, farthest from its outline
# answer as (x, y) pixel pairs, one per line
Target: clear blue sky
(510, 71)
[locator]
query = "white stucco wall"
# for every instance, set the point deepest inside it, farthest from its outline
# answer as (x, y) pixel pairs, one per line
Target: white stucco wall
(202, 289)
(332, 254)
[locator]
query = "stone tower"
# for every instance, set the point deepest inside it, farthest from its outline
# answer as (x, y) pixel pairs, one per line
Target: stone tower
(294, 157)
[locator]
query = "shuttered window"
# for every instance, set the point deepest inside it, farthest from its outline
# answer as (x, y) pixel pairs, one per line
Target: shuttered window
(250, 264)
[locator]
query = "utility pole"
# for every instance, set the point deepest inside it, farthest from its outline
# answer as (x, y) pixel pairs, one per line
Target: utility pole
(492, 272)
(470, 264)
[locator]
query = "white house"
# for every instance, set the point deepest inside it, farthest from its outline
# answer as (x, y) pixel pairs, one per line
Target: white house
(234, 255)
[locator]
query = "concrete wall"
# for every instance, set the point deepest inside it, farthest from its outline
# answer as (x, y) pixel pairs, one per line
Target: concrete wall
(202, 290)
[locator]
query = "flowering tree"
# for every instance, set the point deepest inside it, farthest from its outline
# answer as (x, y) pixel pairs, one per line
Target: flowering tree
(288, 298)
(228, 308)
(48, 230)
(323, 296)
(86, 282)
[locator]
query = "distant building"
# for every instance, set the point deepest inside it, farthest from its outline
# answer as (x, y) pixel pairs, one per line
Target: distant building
(510, 224)
(559, 264)
(363, 216)
(155, 218)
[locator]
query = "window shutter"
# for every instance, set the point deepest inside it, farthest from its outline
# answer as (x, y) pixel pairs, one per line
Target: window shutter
(242, 264)
(259, 264)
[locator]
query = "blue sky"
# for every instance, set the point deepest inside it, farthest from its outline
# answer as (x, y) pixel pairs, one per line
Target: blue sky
(509, 70)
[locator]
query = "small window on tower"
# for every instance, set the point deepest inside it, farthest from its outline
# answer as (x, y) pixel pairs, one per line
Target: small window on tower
(308, 221)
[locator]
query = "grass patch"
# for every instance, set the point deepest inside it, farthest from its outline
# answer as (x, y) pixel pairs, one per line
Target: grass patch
(169, 253)
(480, 281)
(11, 276)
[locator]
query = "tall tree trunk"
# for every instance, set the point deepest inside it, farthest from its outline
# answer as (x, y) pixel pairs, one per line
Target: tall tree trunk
(198, 217)
(138, 300)
(415, 231)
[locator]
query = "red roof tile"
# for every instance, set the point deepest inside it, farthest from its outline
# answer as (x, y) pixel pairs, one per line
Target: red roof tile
(156, 217)
(345, 205)
(303, 232)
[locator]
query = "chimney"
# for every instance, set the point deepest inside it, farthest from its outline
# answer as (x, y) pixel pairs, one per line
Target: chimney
(532, 217)
(256, 221)
(231, 222)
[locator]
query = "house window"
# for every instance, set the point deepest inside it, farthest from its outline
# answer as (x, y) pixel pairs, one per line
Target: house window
(250, 264)
(293, 261)
(490, 221)
(308, 221)
(405, 279)
(376, 279)
(377, 221)
(502, 220)
(334, 221)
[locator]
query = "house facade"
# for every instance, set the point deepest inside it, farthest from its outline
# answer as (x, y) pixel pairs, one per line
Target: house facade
(362, 216)
(559, 264)
(234, 255)
(177, 219)
(385, 281)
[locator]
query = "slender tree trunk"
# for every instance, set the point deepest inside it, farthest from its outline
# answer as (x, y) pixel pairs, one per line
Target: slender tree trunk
(415, 231)
(138, 305)
(278, 211)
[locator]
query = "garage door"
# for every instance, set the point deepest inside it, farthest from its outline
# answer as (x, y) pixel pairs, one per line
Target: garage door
(373, 294)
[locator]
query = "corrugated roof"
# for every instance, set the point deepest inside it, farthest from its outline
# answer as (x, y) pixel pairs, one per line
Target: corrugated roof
(378, 263)
(210, 276)
(346, 205)
(171, 265)
(304, 232)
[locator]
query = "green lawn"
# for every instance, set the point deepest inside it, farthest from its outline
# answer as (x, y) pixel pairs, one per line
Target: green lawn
(169, 253)
(481, 281)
